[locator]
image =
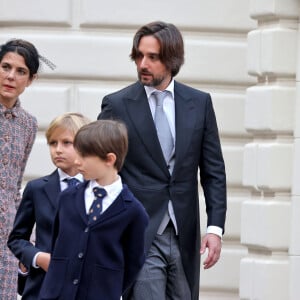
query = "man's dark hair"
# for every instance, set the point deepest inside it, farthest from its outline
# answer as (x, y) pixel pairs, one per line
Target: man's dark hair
(170, 40)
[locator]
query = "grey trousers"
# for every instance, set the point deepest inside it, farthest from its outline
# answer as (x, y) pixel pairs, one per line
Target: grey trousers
(162, 276)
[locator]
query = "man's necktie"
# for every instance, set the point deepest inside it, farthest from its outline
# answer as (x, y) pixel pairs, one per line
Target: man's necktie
(72, 181)
(96, 207)
(162, 126)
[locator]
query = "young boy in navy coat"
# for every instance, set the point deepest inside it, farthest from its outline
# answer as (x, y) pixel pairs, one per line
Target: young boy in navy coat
(98, 238)
(39, 203)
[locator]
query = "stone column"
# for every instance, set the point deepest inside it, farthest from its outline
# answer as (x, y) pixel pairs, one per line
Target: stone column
(268, 158)
(294, 250)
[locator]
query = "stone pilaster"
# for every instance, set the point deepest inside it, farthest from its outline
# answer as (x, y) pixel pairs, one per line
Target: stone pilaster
(269, 157)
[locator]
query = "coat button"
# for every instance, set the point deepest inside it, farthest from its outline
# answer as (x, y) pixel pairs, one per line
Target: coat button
(75, 281)
(86, 229)
(80, 255)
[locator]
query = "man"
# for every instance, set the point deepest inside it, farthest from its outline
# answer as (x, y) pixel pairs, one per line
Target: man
(163, 172)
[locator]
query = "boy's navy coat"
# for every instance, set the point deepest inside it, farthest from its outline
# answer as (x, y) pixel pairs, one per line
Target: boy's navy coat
(97, 261)
(38, 205)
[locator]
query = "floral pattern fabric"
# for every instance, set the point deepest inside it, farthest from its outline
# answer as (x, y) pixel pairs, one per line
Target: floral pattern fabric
(17, 133)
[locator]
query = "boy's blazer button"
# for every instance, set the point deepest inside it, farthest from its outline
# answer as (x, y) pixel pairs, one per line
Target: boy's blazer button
(80, 255)
(75, 281)
(86, 229)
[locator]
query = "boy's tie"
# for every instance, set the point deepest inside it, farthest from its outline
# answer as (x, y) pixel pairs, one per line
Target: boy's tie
(162, 126)
(72, 181)
(96, 207)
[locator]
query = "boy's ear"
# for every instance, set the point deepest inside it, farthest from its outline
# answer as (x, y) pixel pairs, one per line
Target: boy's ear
(111, 158)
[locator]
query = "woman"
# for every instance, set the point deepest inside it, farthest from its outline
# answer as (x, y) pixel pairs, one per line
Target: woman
(19, 64)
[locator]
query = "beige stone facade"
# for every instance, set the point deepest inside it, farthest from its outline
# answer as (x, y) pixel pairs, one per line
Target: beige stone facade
(245, 53)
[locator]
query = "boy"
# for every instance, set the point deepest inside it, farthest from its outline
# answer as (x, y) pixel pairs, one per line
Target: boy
(98, 249)
(39, 203)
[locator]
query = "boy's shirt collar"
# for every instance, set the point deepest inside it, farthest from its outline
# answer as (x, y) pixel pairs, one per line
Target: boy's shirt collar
(63, 175)
(113, 190)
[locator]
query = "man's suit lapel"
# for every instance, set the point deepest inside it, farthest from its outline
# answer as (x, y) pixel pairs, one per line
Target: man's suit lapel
(185, 120)
(144, 124)
(52, 188)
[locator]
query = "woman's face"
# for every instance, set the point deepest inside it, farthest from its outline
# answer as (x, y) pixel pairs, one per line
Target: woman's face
(14, 78)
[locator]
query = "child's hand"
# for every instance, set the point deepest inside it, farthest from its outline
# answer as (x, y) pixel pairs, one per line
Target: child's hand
(43, 260)
(22, 268)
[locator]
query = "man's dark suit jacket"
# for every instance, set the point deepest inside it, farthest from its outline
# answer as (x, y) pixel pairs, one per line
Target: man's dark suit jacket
(38, 205)
(145, 171)
(98, 260)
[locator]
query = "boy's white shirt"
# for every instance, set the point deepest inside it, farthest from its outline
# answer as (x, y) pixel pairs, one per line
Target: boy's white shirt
(113, 190)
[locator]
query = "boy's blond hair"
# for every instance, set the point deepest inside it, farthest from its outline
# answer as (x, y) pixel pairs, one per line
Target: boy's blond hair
(69, 121)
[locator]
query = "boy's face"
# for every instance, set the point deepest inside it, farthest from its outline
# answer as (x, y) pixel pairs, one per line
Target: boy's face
(62, 153)
(94, 168)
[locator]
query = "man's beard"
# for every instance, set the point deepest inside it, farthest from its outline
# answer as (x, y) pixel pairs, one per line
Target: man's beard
(156, 81)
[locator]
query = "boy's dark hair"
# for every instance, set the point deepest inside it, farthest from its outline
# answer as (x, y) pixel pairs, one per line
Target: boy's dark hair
(101, 137)
(171, 44)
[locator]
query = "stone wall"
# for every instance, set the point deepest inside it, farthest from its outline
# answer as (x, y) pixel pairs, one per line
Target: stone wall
(269, 157)
(241, 51)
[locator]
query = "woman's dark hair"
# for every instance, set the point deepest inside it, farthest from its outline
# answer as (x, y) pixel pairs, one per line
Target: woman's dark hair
(26, 50)
(171, 44)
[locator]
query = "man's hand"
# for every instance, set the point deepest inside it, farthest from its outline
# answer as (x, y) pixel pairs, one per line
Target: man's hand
(214, 245)
(43, 260)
